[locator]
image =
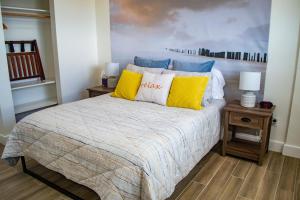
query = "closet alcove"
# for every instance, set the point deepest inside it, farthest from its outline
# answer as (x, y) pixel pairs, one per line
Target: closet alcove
(28, 21)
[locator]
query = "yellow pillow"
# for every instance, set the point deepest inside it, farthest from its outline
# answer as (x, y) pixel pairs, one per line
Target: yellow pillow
(187, 91)
(128, 85)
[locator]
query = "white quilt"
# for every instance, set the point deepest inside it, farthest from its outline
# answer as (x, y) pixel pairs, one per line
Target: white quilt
(120, 149)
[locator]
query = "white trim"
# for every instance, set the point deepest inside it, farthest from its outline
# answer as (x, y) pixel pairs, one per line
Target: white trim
(24, 9)
(275, 145)
(291, 150)
(3, 138)
(30, 84)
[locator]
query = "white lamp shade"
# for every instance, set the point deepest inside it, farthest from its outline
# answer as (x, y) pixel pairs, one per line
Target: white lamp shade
(250, 81)
(112, 69)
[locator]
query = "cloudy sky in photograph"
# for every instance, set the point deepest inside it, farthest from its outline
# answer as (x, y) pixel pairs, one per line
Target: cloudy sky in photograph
(233, 25)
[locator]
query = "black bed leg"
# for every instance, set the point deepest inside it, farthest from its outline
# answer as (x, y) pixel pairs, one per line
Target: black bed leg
(47, 182)
(23, 164)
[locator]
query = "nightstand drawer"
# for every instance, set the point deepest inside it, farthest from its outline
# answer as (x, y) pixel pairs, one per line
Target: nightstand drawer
(246, 120)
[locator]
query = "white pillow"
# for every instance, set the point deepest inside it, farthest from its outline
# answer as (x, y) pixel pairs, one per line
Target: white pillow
(218, 84)
(208, 92)
(155, 88)
(141, 70)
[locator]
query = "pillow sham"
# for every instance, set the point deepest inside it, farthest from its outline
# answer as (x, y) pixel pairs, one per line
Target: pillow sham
(155, 88)
(128, 85)
(141, 70)
(187, 92)
(193, 66)
(144, 62)
(208, 92)
(218, 84)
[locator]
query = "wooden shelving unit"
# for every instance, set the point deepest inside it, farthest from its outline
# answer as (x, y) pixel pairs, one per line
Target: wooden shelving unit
(29, 95)
(30, 84)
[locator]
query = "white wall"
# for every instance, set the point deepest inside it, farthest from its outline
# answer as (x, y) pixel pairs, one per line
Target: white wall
(103, 34)
(74, 28)
(283, 46)
(292, 145)
(7, 116)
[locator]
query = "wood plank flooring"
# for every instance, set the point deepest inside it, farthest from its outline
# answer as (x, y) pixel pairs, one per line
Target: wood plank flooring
(215, 177)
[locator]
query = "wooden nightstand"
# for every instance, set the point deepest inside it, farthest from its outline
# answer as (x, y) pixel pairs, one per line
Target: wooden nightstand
(99, 90)
(250, 118)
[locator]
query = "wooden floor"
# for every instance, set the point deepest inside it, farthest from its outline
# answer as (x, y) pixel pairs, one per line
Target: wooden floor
(215, 177)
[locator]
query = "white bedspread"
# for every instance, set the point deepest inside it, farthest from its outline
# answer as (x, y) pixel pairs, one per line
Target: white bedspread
(120, 149)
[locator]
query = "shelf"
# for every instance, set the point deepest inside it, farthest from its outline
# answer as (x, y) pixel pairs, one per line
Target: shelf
(243, 148)
(30, 84)
(25, 12)
(249, 137)
(24, 9)
(35, 105)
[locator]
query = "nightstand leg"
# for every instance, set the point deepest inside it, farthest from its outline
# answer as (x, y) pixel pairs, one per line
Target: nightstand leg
(233, 132)
(225, 136)
(263, 141)
(269, 132)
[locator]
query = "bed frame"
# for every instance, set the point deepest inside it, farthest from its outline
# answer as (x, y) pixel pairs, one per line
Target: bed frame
(47, 182)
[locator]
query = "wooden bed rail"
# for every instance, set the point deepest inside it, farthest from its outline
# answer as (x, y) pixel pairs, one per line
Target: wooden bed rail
(24, 65)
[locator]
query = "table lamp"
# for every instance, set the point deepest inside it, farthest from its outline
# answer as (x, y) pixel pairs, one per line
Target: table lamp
(112, 69)
(250, 82)
(111, 74)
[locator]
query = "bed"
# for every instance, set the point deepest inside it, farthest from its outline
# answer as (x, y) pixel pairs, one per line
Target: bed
(120, 149)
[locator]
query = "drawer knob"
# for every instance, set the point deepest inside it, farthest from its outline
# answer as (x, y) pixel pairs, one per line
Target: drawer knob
(246, 119)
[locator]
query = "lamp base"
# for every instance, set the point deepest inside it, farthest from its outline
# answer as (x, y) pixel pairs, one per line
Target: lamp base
(248, 100)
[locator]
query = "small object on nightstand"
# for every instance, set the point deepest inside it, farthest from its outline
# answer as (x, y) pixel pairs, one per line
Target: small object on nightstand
(111, 74)
(266, 104)
(250, 82)
(99, 90)
(251, 118)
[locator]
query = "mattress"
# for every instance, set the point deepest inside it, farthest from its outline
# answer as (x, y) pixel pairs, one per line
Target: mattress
(120, 149)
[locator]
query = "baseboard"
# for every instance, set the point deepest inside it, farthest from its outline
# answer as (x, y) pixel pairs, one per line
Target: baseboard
(291, 150)
(275, 145)
(3, 138)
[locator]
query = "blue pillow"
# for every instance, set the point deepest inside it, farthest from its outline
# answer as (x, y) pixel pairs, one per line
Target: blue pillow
(193, 67)
(143, 62)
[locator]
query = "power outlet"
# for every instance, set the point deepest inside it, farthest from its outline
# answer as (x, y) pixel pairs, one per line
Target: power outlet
(274, 122)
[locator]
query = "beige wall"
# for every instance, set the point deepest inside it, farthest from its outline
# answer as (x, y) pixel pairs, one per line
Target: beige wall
(7, 115)
(292, 145)
(76, 53)
(103, 34)
(283, 46)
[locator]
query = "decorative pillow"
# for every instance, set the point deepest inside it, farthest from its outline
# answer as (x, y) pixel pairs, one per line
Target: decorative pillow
(144, 62)
(141, 70)
(155, 88)
(193, 67)
(207, 98)
(128, 85)
(187, 92)
(218, 84)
